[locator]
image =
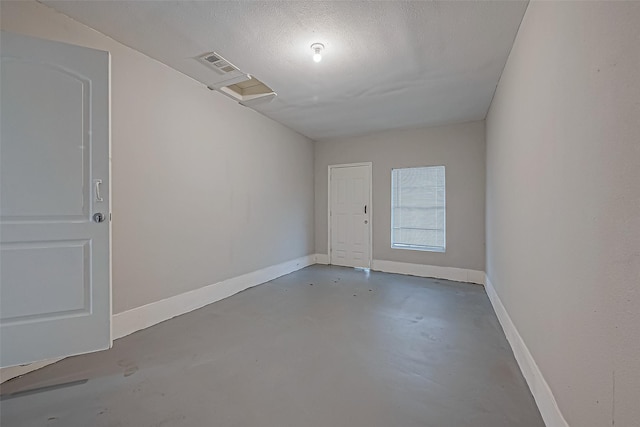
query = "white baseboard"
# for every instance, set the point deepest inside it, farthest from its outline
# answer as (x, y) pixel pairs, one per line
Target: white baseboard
(322, 259)
(142, 317)
(421, 270)
(537, 384)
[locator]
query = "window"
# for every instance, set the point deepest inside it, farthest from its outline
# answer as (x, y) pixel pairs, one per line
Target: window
(418, 208)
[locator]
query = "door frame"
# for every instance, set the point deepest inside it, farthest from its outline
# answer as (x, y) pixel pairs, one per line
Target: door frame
(370, 205)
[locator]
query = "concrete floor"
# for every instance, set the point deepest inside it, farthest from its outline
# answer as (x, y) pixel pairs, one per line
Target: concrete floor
(321, 347)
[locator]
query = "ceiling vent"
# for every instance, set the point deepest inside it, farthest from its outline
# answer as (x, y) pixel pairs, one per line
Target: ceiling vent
(225, 72)
(232, 82)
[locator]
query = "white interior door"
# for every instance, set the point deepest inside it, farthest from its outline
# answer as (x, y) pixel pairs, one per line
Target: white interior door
(55, 290)
(350, 215)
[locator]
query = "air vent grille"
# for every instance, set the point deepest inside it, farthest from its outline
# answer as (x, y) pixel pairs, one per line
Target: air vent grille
(218, 64)
(211, 58)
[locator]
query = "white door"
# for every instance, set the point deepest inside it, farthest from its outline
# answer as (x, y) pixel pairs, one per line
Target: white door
(55, 290)
(350, 215)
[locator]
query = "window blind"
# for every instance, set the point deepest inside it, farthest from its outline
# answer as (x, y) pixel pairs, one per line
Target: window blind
(418, 208)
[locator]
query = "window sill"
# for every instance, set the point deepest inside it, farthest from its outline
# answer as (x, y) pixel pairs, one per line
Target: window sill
(420, 248)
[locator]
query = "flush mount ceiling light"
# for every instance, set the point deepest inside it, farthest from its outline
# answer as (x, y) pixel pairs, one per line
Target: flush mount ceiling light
(317, 48)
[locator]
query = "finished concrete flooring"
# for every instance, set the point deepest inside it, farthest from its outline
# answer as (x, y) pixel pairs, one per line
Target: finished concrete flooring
(321, 347)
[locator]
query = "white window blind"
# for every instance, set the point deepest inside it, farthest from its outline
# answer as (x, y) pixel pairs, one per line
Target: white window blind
(418, 208)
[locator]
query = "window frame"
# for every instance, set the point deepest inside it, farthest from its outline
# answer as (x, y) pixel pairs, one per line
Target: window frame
(423, 248)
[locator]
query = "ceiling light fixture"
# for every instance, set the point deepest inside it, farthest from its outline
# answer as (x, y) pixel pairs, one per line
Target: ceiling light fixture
(317, 48)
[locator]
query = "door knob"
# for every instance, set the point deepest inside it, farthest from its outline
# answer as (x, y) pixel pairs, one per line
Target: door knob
(98, 217)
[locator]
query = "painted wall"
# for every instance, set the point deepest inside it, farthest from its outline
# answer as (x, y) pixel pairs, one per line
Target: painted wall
(203, 188)
(563, 203)
(460, 148)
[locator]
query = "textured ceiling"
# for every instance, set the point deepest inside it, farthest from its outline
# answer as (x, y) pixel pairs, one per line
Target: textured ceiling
(386, 65)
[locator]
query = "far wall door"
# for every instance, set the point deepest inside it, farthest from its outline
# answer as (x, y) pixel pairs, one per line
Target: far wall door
(350, 215)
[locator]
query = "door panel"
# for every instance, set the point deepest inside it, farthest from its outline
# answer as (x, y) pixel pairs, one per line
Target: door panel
(64, 266)
(349, 224)
(55, 278)
(62, 111)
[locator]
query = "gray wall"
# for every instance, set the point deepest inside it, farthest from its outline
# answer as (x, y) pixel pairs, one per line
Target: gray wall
(203, 188)
(563, 203)
(461, 148)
